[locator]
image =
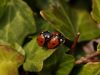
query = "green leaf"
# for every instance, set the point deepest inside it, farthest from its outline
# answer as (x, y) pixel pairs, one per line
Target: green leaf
(8, 68)
(60, 20)
(3, 6)
(16, 46)
(35, 56)
(66, 65)
(58, 63)
(10, 60)
(96, 10)
(90, 69)
(84, 24)
(70, 20)
(17, 22)
(98, 47)
(42, 25)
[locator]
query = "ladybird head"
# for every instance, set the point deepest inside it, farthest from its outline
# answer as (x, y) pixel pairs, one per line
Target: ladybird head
(47, 35)
(60, 36)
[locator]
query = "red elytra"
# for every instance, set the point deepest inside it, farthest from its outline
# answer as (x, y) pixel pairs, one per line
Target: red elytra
(43, 38)
(53, 43)
(40, 40)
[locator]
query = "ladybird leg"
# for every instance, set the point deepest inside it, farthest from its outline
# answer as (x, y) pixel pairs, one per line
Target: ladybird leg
(72, 49)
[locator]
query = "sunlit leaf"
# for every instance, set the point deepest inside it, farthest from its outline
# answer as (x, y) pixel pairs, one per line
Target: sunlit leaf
(96, 10)
(90, 69)
(10, 60)
(17, 22)
(35, 56)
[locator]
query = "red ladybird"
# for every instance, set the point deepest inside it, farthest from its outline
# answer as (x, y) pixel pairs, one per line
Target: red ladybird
(50, 40)
(55, 40)
(43, 38)
(60, 36)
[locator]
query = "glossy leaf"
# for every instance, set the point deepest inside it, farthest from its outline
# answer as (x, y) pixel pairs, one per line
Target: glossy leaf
(58, 64)
(85, 25)
(70, 20)
(10, 60)
(35, 56)
(90, 69)
(60, 20)
(17, 22)
(96, 10)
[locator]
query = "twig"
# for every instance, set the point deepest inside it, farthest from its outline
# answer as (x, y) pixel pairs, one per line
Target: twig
(72, 49)
(88, 58)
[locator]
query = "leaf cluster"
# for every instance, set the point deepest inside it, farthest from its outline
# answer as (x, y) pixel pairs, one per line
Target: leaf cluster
(22, 20)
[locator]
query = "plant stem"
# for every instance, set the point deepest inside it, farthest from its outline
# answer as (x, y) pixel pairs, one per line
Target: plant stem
(72, 49)
(88, 58)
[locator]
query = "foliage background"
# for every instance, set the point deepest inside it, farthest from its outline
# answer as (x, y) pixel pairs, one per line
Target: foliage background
(22, 20)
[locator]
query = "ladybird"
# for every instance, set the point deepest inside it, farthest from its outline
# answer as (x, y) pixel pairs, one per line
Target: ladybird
(61, 37)
(50, 40)
(55, 40)
(53, 43)
(56, 33)
(43, 38)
